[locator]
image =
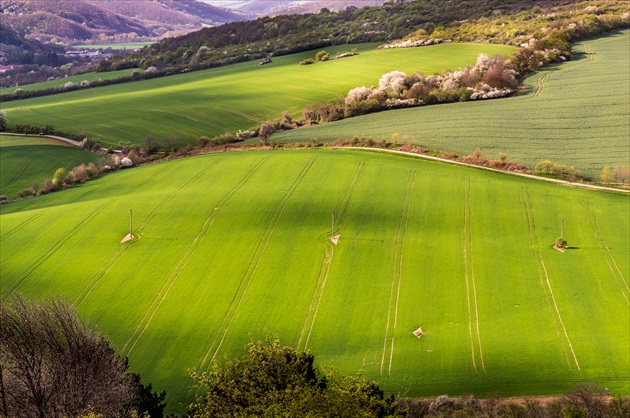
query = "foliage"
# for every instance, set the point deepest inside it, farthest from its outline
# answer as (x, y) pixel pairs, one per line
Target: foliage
(307, 61)
(586, 400)
(59, 177)
(55, 364)
(207, 103)
(271, 380)
(148, 401)
(322, 56)
(564, 106)
(3, 121)
(288, 34)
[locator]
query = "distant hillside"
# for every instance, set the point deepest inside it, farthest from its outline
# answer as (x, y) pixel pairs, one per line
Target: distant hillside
(280, 35)
(314, 6)
(13, 46)
(172, 12)
(60, 21)
(64, 21)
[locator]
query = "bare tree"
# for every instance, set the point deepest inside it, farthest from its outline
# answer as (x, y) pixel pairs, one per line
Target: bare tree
(54, 364)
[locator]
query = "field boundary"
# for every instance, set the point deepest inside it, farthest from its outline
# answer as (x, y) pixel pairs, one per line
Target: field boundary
(529, 176)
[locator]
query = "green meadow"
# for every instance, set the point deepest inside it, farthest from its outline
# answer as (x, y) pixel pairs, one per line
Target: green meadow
(76, 79)
(230, 98)
(235, 246)
(575, 113)
(25, 160)
(124, 45)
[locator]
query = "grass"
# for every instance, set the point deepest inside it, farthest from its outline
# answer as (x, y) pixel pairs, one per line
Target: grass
(75, 79)
(25, 160)
(234, 246)
(124, 45)
(579, 117)
(230, 98)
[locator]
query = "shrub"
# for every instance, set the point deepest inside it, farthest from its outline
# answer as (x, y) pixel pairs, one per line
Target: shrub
(203, 141)
(59, 178)
(307, 61)
(322, 56)
(24, 193)
(126, 162)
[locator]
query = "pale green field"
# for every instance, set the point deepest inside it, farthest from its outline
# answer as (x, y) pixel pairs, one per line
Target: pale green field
(579, 116)
(235, 246)
(24, 160)
(126, 45)
(230, 98)
(75, 79)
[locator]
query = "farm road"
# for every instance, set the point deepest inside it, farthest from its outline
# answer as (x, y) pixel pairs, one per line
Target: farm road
(531, 176)
(59, 138)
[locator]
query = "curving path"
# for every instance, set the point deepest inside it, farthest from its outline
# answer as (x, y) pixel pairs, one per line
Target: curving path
(530, 176)
(59, 138)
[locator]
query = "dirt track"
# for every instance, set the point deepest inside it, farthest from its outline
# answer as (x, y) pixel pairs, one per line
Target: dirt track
(531, 176)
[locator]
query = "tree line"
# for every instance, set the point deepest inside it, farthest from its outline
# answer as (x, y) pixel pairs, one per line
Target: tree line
(289, 34)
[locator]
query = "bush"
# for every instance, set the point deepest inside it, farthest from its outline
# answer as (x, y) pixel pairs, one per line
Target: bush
(47, 339)
(307, 61)
(271, 380)
(59, 178)
(203, 141)
(322, 56)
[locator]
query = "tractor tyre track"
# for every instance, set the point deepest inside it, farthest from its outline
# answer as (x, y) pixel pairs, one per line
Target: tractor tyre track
(247, 277)
(539, 257)
(166, 286)
(397, 272)
(618, 276)
(52, 250)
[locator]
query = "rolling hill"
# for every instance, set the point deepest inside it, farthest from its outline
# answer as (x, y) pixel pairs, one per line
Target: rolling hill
(575, 113)
(81, 20)
(230, 98)
(28, 160)
(235, 246)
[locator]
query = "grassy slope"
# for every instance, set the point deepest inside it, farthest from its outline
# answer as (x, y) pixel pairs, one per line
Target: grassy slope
(125, 45)
(229, 98)
(75, 79)
(247, 254)
(580, 118)
(24, 160)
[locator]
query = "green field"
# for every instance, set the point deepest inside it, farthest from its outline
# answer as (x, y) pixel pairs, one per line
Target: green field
(75, 79)
(125, 45)
(235, 97)
(234, 246)
(24, 160)
(577, 113)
